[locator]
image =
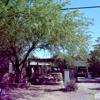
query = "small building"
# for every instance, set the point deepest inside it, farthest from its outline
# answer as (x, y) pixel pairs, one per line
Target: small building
(40, 66)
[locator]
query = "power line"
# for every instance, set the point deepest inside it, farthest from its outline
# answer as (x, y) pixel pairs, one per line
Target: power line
(80, 8)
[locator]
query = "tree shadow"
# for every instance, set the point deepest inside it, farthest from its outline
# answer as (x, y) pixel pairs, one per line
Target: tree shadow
(98, 89)
(85, 80)
(13, 95)
(35, 88)
(88, 82)
(55, 90)
(34, 91)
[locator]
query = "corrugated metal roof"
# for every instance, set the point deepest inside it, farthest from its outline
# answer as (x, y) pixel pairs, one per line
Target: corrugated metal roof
(39, 63)
(80, 63)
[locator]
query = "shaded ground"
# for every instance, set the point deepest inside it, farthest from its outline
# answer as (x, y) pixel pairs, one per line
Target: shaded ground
(52, 92)
(86, 80)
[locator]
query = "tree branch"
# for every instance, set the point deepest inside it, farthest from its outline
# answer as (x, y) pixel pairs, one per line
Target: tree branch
(7, 2)
(31, 48)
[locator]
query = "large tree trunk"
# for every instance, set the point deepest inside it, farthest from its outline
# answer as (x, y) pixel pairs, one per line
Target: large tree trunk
(18, 73)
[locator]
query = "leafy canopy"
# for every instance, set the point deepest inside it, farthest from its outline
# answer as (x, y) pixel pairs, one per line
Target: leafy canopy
(27, 25)
(94, 60)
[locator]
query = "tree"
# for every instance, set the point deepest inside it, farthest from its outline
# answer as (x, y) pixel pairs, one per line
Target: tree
(94, 60)
(3, 62)
(63, 61)
(28, 25)
(97, 45)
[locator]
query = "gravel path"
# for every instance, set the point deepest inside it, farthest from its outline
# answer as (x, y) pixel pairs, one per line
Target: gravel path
(86, 87)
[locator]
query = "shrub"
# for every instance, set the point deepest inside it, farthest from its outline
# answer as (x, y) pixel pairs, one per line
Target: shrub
(71, 86)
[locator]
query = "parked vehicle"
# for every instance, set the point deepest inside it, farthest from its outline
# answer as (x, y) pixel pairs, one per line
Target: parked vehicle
(82, 72)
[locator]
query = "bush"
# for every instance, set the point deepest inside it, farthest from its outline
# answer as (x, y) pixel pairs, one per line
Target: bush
(71, 86)
(4, 80)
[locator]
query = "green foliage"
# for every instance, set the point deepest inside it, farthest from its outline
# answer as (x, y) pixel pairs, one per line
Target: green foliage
(71, 86)
(28, 25)
(94, 60)
(63, 60)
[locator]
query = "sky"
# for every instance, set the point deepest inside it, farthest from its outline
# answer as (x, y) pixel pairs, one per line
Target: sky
(89, 13)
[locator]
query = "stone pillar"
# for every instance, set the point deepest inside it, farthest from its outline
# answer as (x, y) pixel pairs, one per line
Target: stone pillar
(66, 77)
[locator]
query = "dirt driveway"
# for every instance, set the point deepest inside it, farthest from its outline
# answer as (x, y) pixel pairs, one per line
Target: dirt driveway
(86, 87)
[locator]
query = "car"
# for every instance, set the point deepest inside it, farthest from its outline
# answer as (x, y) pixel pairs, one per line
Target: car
(82, 72)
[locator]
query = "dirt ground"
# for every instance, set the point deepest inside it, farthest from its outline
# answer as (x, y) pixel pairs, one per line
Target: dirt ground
(86, 87)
